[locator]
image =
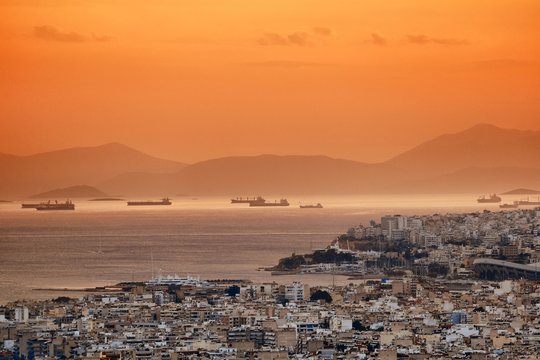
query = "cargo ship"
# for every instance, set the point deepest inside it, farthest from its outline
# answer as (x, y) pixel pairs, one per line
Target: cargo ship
(68, 205)
(493, 198)
(514, 205)
(528, 202)
(282, 202)
(311, 206)
(246, 200)
(29, 206)
(164, 201)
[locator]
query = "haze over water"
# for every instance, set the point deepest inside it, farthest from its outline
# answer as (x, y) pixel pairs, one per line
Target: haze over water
(103, 243)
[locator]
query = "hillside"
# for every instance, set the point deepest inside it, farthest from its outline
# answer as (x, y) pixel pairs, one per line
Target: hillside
(521, 191)
(264, 174)
(72, 192)
(481, 159)
(24, 175)
(482, 146)
(271, 174)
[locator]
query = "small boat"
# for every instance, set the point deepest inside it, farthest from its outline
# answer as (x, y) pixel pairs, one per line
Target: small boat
(493, 198)
(514, 205)
(311, 206)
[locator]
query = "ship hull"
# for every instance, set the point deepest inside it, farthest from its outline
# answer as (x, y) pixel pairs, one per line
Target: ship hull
(130, 203)
(55, 208)
(29, 206)
(254, 204)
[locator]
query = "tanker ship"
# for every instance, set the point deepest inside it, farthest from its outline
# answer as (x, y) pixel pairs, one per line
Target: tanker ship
(164, 201)
(68, 205)
(282, 202)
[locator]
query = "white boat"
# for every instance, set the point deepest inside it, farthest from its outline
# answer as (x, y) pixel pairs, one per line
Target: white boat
(177, 280)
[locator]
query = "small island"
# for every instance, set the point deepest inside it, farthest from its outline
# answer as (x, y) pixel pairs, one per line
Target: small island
(522, 191)
(71, 192)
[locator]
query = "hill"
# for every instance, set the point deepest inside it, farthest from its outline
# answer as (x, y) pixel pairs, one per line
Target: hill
(481, 159)
(24, 175)
(521, 191)
(263, 174)
(478, 180)
(72, 192)
(482, 146)
(272, 174)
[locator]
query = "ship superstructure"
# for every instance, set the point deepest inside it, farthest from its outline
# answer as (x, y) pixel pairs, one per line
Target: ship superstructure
(246, 200)
(282, 202)
(67, 205)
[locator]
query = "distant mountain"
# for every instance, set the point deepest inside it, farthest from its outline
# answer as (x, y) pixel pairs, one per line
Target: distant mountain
(521, 191)
(482, 146)
(24, 175)
(72, 192)
(481, 159)
(141, 183)
(272, 174)
(264, 174)
(476, 180)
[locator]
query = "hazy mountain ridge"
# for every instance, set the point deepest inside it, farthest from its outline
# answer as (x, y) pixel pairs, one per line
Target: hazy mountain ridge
(25, 175)
(482, 145)
(71, 192)
(481, 159)
(521, 191)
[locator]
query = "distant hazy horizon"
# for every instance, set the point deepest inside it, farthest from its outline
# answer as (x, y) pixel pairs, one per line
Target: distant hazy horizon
(190, 81)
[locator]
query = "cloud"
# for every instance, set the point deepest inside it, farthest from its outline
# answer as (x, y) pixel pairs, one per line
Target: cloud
(298, 38)
(51, 33)
(322, 31)
(377, 39)
(425, 40)
(286, 64)
(101, 38)
(46, 32)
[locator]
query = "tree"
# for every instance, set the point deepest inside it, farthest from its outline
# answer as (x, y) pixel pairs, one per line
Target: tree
(321, 295)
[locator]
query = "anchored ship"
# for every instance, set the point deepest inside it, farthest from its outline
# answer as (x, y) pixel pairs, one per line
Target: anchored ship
(246, 200)
(164, 201)
(514, 205)
(282, 202)
(493, 198)
(528, 202)
(68, 205)
(311, 206)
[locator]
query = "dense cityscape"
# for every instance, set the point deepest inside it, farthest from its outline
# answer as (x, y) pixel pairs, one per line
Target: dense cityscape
(422, 287)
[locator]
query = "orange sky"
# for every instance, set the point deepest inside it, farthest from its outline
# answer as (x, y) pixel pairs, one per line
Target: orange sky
(195, 79)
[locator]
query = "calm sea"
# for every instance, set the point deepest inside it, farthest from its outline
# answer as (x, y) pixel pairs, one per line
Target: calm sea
(102, 243)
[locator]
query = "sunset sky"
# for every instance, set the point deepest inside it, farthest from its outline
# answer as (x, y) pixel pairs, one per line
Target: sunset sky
(195, 79)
